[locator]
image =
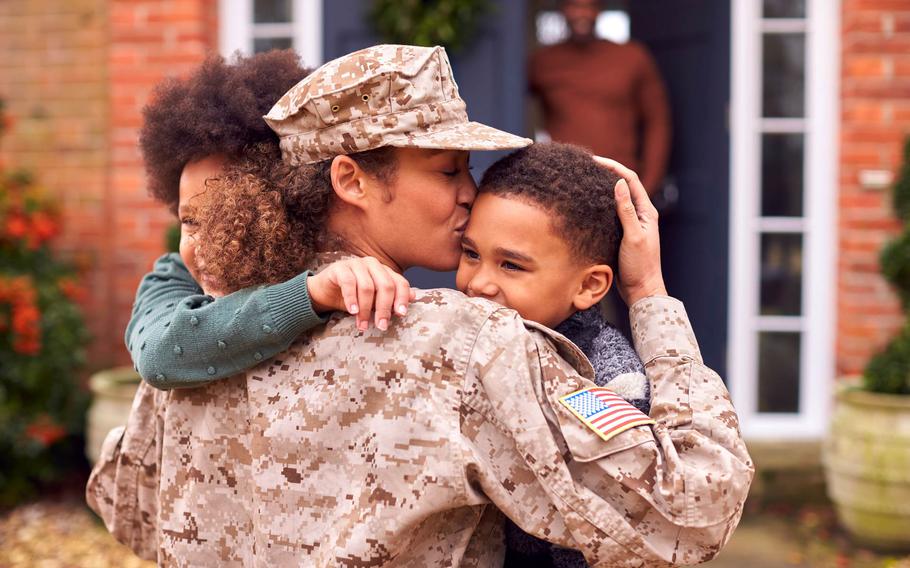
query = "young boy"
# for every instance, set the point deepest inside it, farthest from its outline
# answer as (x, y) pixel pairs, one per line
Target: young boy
(544, 226)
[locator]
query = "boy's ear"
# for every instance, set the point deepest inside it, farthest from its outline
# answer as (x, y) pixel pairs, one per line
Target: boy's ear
(595, 284)
(348, 181)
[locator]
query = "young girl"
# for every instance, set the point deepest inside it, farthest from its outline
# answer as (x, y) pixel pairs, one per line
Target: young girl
(194, 128)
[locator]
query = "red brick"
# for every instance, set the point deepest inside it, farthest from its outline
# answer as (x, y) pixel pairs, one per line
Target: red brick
(864, 66)
(875, 119)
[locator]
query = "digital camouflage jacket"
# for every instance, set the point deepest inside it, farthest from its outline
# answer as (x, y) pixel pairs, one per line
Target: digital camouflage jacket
(404, 448)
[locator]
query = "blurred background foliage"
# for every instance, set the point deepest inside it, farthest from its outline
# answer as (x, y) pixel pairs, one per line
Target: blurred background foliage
(449, 23)
(42, 343)
(889, 371)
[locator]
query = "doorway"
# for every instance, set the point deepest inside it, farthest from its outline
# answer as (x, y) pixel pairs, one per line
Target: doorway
(690, 42)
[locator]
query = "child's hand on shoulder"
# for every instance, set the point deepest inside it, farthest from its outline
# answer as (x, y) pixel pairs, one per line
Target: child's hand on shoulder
(361, 287)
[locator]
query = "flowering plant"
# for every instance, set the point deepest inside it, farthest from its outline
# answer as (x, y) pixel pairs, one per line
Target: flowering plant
(42, 342)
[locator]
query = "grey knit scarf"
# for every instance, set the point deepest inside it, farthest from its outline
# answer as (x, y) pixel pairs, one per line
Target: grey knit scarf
(615, 365)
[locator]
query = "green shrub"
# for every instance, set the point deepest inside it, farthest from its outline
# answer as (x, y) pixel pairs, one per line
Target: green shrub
(42, 345)
(889, 371)
(449, 23)
(172, 238)
(901, 194)
(895, 265)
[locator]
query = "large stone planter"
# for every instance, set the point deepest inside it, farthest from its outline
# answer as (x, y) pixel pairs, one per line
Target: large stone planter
(867, 467)
(112, 396)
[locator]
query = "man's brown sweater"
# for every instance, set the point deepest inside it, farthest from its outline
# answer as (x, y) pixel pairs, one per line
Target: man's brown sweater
(607, 97)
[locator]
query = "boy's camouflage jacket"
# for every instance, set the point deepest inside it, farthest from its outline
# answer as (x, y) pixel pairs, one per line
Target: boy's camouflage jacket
(404, 448)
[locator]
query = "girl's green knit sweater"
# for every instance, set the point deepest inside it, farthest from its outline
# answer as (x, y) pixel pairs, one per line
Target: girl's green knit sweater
(180, 337)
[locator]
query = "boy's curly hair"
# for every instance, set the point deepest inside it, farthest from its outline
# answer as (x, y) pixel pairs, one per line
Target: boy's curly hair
(564, 180)
(216, 110)
(264, 219)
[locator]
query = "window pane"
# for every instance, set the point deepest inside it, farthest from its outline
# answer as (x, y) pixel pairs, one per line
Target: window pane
(784, 9)
(778, 372)
(551, 28)
(784, 74)
(261, 44)
(781, 274)
(271, 11)
(782, 175)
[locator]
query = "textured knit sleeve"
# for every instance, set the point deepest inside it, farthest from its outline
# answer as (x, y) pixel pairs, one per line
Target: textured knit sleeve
(180, 337)
(617, 366)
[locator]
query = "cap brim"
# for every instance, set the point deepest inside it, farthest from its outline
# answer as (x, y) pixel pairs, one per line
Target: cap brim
(466, 136)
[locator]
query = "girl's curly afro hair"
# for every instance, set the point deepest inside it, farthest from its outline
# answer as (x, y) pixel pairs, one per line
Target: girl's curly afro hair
(216, 110)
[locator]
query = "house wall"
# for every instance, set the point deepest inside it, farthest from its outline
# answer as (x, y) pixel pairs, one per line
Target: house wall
(53, 78)
(149, 40)
(75, 75)
(875, 119)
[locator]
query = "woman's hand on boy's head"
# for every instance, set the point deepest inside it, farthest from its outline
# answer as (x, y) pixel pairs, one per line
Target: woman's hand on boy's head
(640, 274)
(362, 287)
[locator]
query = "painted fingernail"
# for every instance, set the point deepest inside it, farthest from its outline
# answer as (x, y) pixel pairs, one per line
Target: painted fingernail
(353, 309)
(383, 324)
(401, 309)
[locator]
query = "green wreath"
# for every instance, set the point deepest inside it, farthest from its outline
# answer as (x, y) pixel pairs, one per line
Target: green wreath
(449, 23)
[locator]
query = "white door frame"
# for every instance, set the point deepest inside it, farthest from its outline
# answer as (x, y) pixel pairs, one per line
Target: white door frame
(818, 225)
(237, 30)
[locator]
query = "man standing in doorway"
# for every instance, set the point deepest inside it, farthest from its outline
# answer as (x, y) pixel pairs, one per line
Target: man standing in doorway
(605, 96)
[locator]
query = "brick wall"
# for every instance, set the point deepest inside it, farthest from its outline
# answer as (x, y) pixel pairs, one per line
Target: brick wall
(75, 75)
(53, 77)
(148, 41)
(875, 111)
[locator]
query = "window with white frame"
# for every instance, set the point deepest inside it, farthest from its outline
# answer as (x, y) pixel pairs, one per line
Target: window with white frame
(254, 26)
(551, 27)
(783, 183)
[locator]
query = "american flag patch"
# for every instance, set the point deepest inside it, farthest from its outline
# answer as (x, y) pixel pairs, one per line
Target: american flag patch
(604, 411)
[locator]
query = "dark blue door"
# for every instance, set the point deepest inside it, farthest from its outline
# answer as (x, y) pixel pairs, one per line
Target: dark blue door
(690, 39)
(490, 74)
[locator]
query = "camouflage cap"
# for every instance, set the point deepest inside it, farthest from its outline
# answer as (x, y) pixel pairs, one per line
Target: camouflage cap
(385, 95)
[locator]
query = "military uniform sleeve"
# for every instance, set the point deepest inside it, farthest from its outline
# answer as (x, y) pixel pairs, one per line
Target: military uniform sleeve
(659, 495)
(180, 337)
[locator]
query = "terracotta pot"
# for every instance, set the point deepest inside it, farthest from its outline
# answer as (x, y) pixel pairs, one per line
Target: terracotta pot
(867, 467)
(112, 396)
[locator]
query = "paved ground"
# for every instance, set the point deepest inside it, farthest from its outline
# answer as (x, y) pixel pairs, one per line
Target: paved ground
(64, 534)
(804, 537)
(55, 534)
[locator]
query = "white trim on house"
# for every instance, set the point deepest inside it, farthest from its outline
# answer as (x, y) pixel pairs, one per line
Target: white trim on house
(308, 31)
(822, 160)
(782, 125)
(235, 26)
(783, 25)
(744, 176)
(237, 31)
(816, 322)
